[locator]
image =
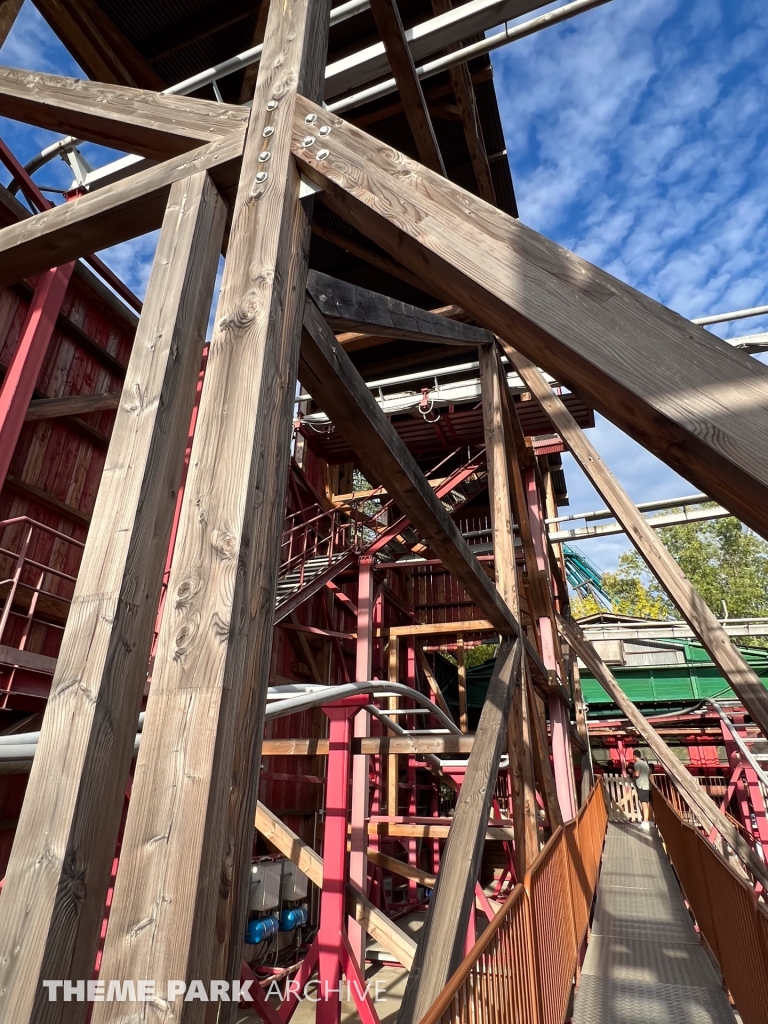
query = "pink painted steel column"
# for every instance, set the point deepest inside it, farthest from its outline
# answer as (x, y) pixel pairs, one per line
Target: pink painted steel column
(332, 898)
(358, 859)
(19, 384)
(565, 782)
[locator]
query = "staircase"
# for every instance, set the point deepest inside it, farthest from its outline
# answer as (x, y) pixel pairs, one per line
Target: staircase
(319, 543)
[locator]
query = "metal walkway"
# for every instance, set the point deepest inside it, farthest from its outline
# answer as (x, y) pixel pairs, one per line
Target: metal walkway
(645, 962)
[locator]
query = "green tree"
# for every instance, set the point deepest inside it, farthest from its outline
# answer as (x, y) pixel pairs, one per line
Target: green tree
(726, 563)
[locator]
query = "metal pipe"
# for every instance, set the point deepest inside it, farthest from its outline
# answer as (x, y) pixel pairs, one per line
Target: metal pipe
(484, 46)
(743, 748)
(655, 522)
(646, 506)
(738, 314)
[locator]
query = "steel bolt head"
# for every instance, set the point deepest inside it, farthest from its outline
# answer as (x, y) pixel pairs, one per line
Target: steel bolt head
(308, 140)
(325, 130)
(310, 119)
(323, 154)
(269, 130)
(264, 156)
(261, 176)
(271, 105)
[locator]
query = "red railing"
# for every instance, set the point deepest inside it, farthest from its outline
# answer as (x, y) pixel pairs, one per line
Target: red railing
(29, 579)
(731, 918)
(314, 533)
(521, 969)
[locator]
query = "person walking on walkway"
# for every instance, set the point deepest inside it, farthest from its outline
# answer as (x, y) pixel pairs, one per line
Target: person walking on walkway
(642, 773)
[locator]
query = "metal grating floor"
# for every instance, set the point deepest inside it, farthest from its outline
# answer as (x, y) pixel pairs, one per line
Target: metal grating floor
(645, 963)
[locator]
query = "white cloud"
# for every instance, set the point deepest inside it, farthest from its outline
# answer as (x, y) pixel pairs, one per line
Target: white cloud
(638, 137)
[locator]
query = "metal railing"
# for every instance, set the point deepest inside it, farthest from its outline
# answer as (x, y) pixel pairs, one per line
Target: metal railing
(731, 918)
(315, 533)
(28, 578)
(521, 969)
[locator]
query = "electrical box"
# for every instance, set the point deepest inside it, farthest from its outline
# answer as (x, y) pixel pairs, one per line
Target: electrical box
(265, 885)
(294, 883)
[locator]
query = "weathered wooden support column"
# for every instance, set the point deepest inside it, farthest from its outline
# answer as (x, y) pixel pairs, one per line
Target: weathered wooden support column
(519, 737)
(180, 896)
(441, 939)
(56, 885)
(743, 680)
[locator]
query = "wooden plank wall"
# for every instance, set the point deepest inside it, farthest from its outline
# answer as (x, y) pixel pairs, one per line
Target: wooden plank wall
(56, 468)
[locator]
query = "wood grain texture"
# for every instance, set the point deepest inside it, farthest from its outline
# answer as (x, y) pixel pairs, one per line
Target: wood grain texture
(27, 659)
(72, 405)
(196, 774)
(330, 377)
(432, 682)
(696, 795)
(437, 628)
(390, 25)
(113, 214)
(410, 830)
(131, 120)
(441, 939)
(347, 307)
(493, 384)
(744, 681)
(57, 879)
(9, 11)
(542, 766)
(98, 46)
(362, 745)
(689, 397)
(377, 924)
(463, 90)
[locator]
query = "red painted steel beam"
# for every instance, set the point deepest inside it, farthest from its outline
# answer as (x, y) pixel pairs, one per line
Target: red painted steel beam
(19, 384)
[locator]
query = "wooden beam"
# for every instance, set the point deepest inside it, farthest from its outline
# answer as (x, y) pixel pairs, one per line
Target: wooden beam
(134, 120)
(77, 335)
(689, 397)
(393, 763)
(461, 682)
(9, 11)
(98, 46)
(429, 675)
(110, 215)
(697, 797)
(205, 709)
(328, 374)
(543, 768)
(397, 867)
(518, 728)
(53, 902)
(377, 924)
(371, 745)
(415, 830)
(438, 628)
(390, 26)
(41, 497)
(72, 405)
(196, 27)
(441, 939)
(15, 658)
(744, 681)
(461, 82)
(347, 307)
(376, 259)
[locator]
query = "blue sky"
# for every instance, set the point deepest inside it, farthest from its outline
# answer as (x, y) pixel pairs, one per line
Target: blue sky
(638, 137)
